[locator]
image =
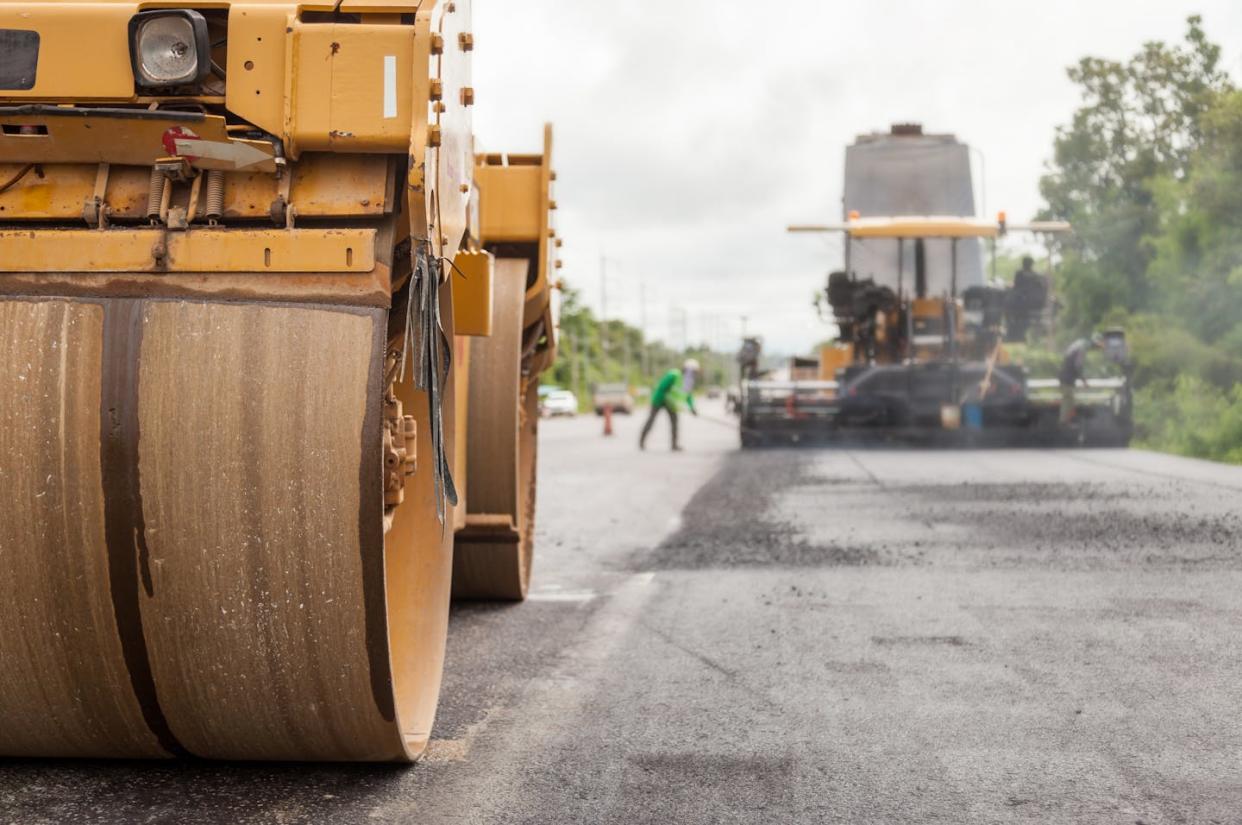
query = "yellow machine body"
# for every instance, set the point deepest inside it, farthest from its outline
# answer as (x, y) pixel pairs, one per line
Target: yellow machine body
(927, 316)
(495, 547)
(473, 293)
(228, 468)
(517, 208)
(833, 357)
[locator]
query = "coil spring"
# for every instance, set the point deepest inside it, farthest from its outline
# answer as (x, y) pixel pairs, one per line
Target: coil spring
(155, 194)
(215, 194)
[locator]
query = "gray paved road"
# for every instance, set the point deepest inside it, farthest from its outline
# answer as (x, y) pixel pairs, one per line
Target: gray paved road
(803, 636)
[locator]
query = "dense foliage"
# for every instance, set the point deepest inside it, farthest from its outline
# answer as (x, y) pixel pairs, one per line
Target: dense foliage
(591, 352)
(1149, 171)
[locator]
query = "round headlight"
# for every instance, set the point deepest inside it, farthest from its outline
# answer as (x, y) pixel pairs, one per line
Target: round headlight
(170, 48)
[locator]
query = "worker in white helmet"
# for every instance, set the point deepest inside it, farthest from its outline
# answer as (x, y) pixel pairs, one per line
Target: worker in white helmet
(1073, 366)
(673, 390)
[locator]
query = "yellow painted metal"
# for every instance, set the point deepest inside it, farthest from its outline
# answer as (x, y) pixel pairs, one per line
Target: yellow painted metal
(323, 185)
(337, 87)
(463, 346)
(923, 227)
(913, 226)
(494, 550)
(58, 193)
(421, 181)
(493, 553)
(516, 208)
(833, 357)
(319, 281)
(257, 65)
(315, 85)
(344, 72)
(76, 61)
(927, 308)
(128, 137)
(472, 280)
(383, 6)
(199, 250)
(510, 196)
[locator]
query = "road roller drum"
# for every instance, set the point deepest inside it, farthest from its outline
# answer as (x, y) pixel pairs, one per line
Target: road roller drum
(233, 387)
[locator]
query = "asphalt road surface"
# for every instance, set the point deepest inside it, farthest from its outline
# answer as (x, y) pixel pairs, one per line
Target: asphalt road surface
(802, 636)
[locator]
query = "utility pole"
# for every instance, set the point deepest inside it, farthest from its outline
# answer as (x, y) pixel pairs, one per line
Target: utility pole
(582, 351)
(574, 365)
(603, 307)
(625, 352)
(983, 180)
(603, 288)
(642, 311)
(677, 328)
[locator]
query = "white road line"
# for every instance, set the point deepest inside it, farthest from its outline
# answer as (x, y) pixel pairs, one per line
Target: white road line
(567, 596)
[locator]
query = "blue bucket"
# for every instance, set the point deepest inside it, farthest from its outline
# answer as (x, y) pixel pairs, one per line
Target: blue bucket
(972, 416)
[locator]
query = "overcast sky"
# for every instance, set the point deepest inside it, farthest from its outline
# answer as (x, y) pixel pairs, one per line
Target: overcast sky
(690, 133)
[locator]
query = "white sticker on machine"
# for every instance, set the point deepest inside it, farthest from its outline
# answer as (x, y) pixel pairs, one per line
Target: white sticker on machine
(390, 86)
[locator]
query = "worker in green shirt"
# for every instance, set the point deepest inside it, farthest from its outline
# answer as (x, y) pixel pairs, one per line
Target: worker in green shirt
(673, 390)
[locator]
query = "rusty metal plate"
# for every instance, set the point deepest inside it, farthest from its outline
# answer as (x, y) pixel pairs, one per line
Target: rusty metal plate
(205, 250)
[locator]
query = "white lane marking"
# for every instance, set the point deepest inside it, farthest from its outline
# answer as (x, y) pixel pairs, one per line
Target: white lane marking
(557, 593)
(390, 86)
(567, 596)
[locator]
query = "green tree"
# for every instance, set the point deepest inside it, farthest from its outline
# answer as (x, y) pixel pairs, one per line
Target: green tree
(1140, 123)
(1149, 172)
(1197, 249)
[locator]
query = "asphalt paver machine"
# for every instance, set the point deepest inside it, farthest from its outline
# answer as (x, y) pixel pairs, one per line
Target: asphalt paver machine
(911, 364)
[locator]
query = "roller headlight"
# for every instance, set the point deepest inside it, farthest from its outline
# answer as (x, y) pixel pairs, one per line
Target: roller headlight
(169, 48)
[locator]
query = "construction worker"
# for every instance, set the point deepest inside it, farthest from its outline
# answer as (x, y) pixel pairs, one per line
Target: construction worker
(1029, 282)
(1027, 300)
(1072, 371)
(675, 388)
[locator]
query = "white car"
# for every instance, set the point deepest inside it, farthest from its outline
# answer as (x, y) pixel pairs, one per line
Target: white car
(560, 402)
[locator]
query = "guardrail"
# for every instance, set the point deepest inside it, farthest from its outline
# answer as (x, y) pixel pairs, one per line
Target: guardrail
(1092, 383)
(792, 385)
(1031, 384)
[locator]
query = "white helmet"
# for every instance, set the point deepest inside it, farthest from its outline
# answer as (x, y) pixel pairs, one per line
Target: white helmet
(690, 364)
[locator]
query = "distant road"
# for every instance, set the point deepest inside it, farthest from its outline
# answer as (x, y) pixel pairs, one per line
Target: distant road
(802, 636)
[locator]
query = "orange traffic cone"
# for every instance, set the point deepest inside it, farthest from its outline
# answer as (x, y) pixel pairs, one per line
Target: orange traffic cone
(607, 419)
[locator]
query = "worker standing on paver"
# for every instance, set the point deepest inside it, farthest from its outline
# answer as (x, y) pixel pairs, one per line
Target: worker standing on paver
(1026, 300)
(1072, 371)
(673, 390)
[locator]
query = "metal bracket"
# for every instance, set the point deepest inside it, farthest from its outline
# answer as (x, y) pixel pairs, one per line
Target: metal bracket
(400, 450)
(95, 210)
(176, 169)
(282, 210)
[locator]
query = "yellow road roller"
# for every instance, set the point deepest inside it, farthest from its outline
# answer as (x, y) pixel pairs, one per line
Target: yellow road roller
(237, 241)
(496, 539)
